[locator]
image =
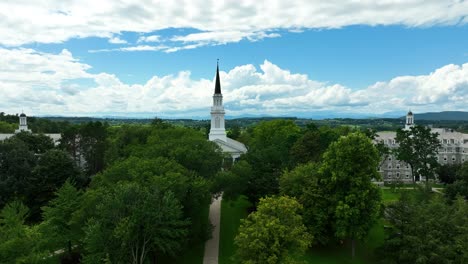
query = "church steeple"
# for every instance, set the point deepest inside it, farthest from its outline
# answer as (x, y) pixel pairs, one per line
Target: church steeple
(217, 130)
(217, 83)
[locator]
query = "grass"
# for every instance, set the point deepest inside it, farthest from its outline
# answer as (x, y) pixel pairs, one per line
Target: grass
(231, 213)
(389, 195)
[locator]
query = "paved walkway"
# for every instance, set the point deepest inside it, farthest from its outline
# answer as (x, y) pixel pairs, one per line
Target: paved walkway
(212, 245)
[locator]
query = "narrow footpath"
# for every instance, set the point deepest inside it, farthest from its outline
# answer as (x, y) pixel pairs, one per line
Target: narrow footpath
(212, 245)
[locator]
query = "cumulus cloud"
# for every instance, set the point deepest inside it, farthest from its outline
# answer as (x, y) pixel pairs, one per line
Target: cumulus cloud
(152, 38)
(60, 84)
(117, 40)
(217, 22)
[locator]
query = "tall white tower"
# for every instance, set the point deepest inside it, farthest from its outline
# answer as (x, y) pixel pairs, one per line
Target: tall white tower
(23, 124)
(217, 130)
(409, 120)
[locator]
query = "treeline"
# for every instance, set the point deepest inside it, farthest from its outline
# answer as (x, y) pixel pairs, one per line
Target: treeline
(141, 193)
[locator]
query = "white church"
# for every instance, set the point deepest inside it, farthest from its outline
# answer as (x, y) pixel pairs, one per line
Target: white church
(217, 130)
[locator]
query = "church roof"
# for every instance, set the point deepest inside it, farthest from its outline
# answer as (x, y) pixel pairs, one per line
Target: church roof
(22, 115)
(218, 83)
(410, 113)
(232, 145)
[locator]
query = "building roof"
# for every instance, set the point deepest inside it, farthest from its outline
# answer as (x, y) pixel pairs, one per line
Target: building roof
(231, 145)
(23, 115)
(410, 113)
(218, 83)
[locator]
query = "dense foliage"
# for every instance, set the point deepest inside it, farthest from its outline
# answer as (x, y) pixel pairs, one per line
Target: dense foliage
(418, 147)
(274, 233)
(426, 230)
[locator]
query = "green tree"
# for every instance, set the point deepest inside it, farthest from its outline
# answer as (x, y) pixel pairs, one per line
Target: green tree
(17, 240)
(37, 143)
(191, 190)
(93, 146)
(303, 183)
(53, 168)
(133, 221)
(187, 147)
(7, 127)
(447, 173)
(269, 154)
(274, 233)
(59, 227)
(426, 231)
(16, 164)
(460, 185)
(349, 165)
(418, 147)
(233, 182)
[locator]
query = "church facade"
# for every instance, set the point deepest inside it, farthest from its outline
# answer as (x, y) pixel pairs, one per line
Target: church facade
(453, 150)
(217, 129)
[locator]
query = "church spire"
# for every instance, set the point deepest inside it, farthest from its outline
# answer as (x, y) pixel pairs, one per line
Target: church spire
(217, 83)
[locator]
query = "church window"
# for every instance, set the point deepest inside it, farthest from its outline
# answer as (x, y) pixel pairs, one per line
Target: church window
(398, 175)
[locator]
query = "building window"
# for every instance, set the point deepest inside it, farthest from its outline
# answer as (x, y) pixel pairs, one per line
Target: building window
(453, 158)
(390, 158)
(407, 176)
(389, 166)
(398, 175)
(398, 166)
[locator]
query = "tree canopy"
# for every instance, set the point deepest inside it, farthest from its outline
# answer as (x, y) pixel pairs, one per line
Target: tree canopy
(274, 233)
(418, 147)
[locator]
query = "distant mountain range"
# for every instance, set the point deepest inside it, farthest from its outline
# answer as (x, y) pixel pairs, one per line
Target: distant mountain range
(445, 115)
(432, 116)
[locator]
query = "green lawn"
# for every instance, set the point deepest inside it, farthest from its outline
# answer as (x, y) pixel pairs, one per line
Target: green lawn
(232, 212)
(389, 195)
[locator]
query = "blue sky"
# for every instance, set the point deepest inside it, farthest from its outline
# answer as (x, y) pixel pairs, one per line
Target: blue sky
(303, 59)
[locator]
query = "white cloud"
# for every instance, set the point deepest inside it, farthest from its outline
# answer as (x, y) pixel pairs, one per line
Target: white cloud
(218, 21)
(117, 40)
(44, 83)
(133, 48)
(152, 38)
